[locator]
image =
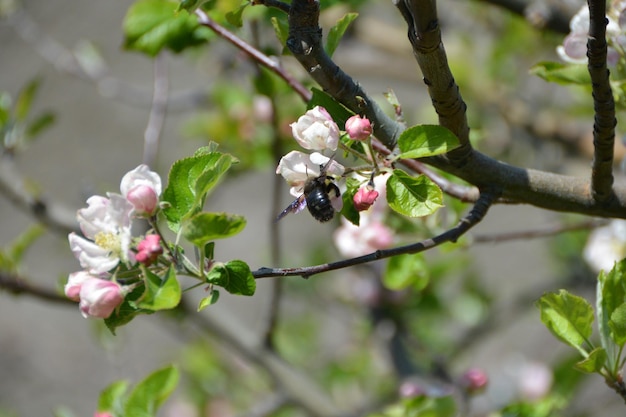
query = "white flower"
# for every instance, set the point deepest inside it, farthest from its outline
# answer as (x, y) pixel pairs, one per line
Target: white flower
(142, 188)
(606, 245)
(106, 224)
(316, 130)
(297, 167)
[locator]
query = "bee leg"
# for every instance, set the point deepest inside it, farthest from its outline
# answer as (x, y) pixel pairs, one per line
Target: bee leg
(333, 187)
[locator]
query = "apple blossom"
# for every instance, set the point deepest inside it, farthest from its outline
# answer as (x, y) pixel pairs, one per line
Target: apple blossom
(358, 128)
(106, 226)
(534, 380)
(75, 282)
(149, 250)
(365, 197)
(606, 245)
(297, 167)
(142, 188)
(474, 380)
(574, 48)
(352, 241)
(99, 297)
(316, 130)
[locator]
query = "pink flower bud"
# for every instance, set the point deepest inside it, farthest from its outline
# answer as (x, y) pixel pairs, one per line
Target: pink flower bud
(364, 198)
(99, 297)
(144, 199)
(102, 414)
(358, 128)
(75, 282)
(474, 380)
(149, 250)
(142, 188)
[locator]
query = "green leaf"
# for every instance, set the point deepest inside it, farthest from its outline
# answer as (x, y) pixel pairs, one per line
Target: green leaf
(565, 74)
(127, 311)
(413, 196)
(190, 5)
(204, 227)
(40, 124)
(235, 17)
(426, 140)
(153, 25)
(336, 32)
(349, 211)
(610, 295)
(112, 397)
(617, 323)
(281, 28)
(161, 293)
(149, 394)
(594, 362)
(190, 180)
(568, 317)
(405, 271)
(209, 300)
(234, 276)
(24, 101)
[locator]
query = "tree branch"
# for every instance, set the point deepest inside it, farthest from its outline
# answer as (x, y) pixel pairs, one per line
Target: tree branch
(474, 217)
(17, 286)
(425, 37)
(304, 42)
(254, 53)
(603, 105)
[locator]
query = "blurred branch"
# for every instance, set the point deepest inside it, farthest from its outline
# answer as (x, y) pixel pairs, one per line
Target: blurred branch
(255, 54)
(18, 286)
(54, 216)
(603, 104)
(470, 220)
(547, 231)
(425, 37)
(541, 14)
(158, 111)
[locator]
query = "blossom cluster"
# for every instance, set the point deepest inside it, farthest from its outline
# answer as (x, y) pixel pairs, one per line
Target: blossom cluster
(317, 131)
(574, 47)
(107, 242)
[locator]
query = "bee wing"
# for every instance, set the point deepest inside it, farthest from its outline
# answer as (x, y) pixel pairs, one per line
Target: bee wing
(296, 206)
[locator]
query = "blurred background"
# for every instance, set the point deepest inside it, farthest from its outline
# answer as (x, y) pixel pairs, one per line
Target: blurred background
(51, 357)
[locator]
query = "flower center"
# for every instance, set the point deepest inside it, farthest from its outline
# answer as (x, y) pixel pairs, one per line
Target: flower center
(109, 241)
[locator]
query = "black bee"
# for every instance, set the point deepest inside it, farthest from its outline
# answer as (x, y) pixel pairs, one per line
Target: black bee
(316, 197)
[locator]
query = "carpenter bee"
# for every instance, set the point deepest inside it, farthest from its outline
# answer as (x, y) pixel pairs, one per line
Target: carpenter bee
(316, 197)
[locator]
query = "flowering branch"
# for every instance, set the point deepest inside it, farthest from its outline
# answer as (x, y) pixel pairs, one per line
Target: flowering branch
(452, 235)
(305, 43)
(254, 53)
(603, 104)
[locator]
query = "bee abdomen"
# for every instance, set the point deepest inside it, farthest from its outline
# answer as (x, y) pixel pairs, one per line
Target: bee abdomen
(318, 203)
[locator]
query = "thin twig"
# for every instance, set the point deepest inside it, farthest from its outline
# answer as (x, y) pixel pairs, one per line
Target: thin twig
(539, 233)
(158, 111)
(254, 53)
(474, 217)
(603, 104)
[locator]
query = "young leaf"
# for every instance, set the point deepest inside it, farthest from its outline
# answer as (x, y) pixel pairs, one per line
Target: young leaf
(150, 393)
(562, 73)
(406, 270)
(25, 99)
(190, 181)
(112, 397)
(160, 294)
(209, 300)
(413, 196)
(234, 17)
(336, 32)
(281, 28)
(234, 276)
(349, 211)
(617, 323)
(426, 140)
(152, 25)
(594, 362)
(568, 317)
(610, 294)
(204, 227)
